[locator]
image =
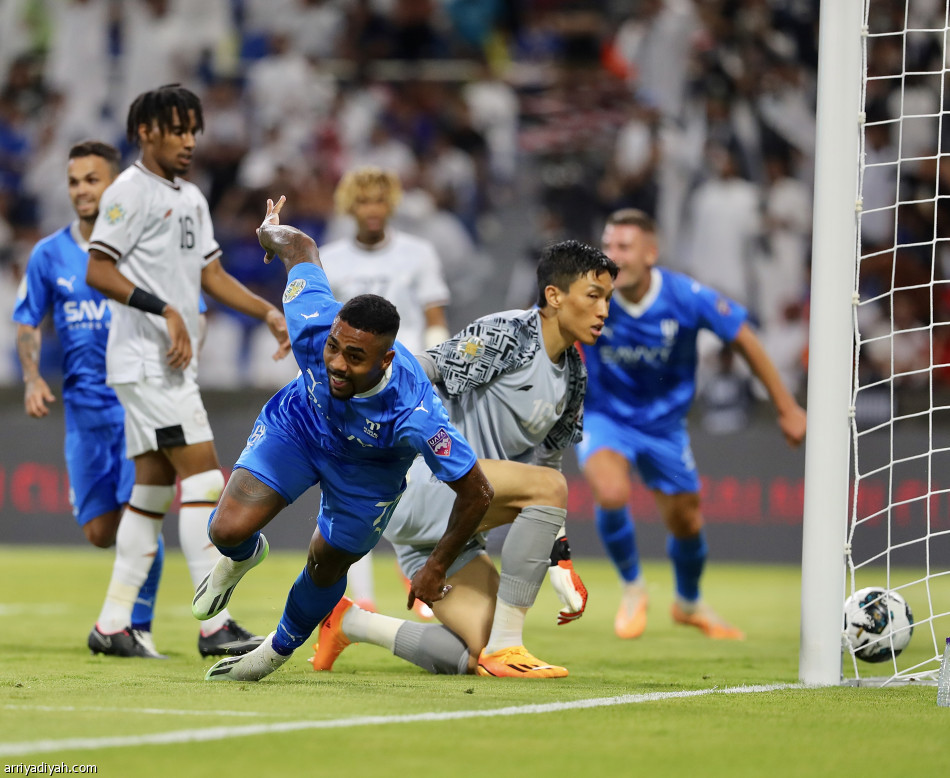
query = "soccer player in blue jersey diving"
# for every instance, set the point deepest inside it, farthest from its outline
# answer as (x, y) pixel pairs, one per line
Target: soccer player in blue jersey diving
(100, 476)
(641, 383)
(360, 411)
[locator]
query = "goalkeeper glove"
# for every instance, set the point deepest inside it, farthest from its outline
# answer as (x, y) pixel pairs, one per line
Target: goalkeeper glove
(566, 582)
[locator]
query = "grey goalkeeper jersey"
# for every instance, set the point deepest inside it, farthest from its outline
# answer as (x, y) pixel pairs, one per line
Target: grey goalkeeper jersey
(510, 417)
(509, 401)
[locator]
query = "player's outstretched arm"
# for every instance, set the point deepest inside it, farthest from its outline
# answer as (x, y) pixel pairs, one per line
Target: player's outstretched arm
(290, 244)
(36, 392)
(473, 495)
(791, 416)
(102, 274)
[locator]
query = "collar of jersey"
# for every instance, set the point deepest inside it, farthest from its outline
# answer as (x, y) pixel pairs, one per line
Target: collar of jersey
(140, 166)
(638, 309)
(380, 386)
(384, 243)
(77, 236)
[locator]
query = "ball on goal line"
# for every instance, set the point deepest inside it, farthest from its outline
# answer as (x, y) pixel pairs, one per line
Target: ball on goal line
(878, 624)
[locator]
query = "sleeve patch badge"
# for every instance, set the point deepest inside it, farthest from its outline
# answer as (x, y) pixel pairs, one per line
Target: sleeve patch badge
(115, 213)
(723, 307)
(440, 443)
(471, 349)
(294, 288)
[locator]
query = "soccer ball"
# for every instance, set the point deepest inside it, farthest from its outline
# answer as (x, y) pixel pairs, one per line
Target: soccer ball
(878, 624)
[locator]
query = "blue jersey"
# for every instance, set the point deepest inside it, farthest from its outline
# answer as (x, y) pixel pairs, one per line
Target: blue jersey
(387, 426)
(642, 369)
(56, 279)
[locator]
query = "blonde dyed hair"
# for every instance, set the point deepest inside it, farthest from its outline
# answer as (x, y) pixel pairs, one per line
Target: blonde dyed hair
(359, 181)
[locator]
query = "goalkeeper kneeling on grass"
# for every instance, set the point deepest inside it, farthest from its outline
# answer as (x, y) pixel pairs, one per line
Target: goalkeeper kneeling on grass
(513, 384)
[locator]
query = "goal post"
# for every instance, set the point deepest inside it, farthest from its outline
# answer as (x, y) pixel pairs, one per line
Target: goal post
(877, 460)
(831, 344)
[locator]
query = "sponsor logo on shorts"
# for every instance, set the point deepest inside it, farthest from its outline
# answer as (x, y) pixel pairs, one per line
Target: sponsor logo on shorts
(294, 288)
(471, 349)
(440, 443)
(115, 213)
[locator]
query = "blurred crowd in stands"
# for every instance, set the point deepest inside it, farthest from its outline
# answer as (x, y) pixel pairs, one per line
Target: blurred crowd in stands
(700, 112)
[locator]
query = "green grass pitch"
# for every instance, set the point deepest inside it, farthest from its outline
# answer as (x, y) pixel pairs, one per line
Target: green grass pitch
(375, 715)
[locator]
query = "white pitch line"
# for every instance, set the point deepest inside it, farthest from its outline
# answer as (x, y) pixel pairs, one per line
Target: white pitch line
(222, 733)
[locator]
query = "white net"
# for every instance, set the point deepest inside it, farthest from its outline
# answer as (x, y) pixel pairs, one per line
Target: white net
(899, 528)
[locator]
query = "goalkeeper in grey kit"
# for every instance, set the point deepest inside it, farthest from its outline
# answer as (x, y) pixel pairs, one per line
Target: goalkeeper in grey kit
(513, 384)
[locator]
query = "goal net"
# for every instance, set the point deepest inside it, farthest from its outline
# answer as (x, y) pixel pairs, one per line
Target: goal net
(897, 484)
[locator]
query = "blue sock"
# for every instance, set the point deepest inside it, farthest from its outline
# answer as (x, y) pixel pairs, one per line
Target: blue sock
(689, 558)
(307, 605)
(242, 550)
(620, 539)
(144, 609)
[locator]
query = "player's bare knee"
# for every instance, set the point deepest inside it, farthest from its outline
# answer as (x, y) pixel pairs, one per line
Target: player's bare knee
(326, 565)
(612, 497)
(554, 489)
(101, 531)
(226, 530)
(610, 492)
(684, 520)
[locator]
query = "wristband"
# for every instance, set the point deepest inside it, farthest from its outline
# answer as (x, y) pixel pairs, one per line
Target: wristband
(146, 301)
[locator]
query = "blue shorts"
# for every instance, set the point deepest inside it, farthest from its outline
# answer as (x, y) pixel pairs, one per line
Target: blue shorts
(100, 476)
(356, 499)
(663, 457)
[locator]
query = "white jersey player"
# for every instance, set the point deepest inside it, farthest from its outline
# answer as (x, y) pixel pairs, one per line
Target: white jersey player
(152, 252)
(513, 383)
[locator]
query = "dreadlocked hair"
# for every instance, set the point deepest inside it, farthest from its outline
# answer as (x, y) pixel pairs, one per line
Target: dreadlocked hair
(160, 106)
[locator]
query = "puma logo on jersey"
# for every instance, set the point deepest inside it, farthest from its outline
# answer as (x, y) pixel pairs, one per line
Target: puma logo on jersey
(68, 283)
(310, 315)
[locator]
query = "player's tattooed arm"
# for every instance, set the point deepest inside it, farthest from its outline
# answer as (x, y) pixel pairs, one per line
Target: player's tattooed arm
(290, 244)
(36, 392)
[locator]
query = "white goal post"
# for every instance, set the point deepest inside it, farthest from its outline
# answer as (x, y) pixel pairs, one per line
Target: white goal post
(877, 462)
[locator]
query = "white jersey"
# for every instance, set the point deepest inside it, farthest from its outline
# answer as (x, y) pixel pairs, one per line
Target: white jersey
(404, 269)
(159, 232)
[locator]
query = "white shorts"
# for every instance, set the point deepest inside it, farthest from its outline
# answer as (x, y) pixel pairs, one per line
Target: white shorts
(160, 415)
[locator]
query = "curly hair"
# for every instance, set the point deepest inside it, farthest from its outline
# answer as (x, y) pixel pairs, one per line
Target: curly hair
(362, 179)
